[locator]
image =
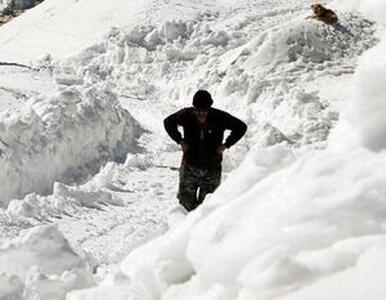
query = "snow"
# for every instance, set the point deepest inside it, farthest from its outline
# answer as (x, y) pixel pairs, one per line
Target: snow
(287, 226)
(87, 124)
(370, 93)
(352, 283)
(300, 213)
(319, 220)
(46, 266)
(14, 91)
(64, 27)
(374, 10)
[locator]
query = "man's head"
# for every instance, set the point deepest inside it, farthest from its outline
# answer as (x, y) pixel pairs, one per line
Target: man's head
(202, 101)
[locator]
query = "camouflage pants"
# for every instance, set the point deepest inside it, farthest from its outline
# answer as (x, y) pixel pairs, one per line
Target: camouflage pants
(195, 184)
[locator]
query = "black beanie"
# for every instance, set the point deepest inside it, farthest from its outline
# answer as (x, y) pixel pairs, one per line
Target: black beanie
(202, 99)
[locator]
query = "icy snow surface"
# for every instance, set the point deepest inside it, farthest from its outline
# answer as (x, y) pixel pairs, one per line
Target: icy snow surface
(300, 214)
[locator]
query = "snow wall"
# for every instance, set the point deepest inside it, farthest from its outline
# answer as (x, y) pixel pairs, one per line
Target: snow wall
(61, 137)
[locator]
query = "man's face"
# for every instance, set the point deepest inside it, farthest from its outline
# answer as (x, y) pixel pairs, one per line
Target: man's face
(201, 114)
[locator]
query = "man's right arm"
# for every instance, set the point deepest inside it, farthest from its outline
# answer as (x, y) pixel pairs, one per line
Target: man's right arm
(171, 126)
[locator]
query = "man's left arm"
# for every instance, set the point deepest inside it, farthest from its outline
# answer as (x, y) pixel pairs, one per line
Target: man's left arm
(237, 128)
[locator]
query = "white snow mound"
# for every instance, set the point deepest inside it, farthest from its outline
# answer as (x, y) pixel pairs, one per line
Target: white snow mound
(61, 138)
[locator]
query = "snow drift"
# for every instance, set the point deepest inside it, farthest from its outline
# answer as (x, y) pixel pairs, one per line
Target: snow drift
(61, 137)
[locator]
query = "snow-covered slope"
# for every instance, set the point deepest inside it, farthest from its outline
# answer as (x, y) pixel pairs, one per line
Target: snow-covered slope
(63, 27)
(302, 211)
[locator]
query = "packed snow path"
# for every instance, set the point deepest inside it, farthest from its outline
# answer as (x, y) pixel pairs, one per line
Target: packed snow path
(110, 232)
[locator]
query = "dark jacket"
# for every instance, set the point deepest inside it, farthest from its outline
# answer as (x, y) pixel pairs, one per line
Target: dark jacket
(204, 140)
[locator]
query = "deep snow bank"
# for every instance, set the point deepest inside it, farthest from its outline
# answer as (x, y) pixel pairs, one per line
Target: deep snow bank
(61, 137)
(292, 224)
(290, 227)
(66, 200)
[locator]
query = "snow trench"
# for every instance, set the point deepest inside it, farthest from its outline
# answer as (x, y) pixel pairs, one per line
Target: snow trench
(62, 137)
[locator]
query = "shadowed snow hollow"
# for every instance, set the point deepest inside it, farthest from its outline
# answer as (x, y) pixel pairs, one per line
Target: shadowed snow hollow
(61, 138)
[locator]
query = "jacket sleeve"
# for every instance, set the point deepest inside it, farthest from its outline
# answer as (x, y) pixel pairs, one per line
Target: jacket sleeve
(237, 128)
(171, 126)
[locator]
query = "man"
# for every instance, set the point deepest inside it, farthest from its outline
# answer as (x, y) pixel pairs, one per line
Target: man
(202, 145)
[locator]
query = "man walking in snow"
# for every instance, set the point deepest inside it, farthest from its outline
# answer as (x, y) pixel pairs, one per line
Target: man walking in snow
(202, 145)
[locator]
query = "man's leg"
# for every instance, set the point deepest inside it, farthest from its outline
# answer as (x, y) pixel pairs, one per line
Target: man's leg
(187, 192)
(209, 183)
